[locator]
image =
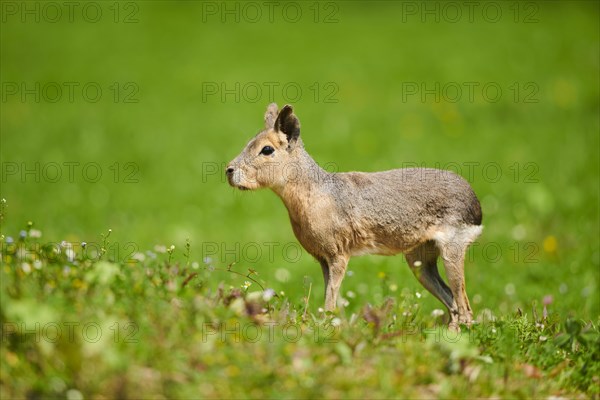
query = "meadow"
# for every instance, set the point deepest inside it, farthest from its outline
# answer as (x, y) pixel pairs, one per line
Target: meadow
(131, 269)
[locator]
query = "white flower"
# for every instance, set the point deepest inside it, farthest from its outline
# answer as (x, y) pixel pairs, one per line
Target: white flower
(519, 232)
(35, 233)
(282, 275)
(563, 288)
(74, 394)
(26, 267)
(509, 289)
(268, 294)
(437, 313)
(70, 254)
(151, 254)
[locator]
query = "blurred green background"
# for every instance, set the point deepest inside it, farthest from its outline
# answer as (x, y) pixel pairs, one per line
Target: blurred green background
(508, 96)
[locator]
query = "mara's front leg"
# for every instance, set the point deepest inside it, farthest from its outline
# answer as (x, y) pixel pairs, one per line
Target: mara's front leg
(454, 260)
(334, 270)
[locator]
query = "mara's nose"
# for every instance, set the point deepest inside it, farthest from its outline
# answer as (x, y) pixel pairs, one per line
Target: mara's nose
(229, 170)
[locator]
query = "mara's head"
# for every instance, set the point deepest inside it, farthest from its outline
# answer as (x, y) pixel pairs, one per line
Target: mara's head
(262, 163)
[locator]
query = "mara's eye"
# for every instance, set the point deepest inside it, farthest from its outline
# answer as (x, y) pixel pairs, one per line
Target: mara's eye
(267, 150)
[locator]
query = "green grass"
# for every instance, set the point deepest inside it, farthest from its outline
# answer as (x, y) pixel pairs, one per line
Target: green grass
(534, 165)
(161, 325)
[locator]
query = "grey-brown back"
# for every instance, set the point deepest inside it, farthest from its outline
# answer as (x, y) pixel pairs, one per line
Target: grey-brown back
(411, 197)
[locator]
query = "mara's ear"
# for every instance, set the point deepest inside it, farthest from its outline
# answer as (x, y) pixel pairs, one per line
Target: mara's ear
(288, 123)
(270, 116)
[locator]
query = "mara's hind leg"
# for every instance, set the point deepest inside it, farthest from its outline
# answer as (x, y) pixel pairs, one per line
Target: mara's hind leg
(453, 246)
(423, 263)
(325, 270)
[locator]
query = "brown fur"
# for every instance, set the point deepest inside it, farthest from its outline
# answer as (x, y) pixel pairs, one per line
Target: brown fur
(423, 213)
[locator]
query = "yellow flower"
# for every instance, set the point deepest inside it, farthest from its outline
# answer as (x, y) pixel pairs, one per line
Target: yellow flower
(233, 370)
(550, 244)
